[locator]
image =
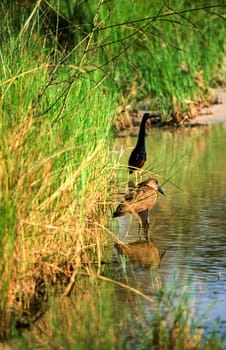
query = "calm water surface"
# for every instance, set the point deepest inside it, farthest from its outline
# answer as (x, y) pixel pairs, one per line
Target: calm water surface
(190, 222)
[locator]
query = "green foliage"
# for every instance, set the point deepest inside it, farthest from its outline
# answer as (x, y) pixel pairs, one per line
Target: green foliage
(55, 128)
(168, 52)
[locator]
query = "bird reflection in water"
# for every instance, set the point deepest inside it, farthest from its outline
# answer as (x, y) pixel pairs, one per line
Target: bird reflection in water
(141, 253)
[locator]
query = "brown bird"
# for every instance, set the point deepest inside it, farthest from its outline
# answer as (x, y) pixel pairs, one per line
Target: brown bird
(138, 156)
(139, 199)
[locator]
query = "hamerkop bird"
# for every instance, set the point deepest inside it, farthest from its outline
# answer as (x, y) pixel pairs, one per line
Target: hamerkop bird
(139, 199)
(138, 156)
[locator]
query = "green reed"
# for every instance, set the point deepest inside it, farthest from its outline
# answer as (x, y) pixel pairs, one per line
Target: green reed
(55, 169)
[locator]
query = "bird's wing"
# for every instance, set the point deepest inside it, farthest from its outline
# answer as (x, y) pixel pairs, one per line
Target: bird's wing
(131, 195)
(145, 192)
(140, 193)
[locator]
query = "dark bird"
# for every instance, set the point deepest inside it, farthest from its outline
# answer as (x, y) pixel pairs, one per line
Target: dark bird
(139, 199)
(138, 156)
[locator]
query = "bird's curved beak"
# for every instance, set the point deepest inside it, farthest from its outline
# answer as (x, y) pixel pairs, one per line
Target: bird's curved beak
(161, 190)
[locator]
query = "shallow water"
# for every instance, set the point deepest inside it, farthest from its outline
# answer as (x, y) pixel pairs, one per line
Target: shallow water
(189, 222)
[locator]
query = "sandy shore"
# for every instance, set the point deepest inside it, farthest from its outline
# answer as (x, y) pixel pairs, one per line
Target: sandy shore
(215, 113)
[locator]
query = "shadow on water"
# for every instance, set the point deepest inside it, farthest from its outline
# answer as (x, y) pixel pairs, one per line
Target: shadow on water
(189, 223)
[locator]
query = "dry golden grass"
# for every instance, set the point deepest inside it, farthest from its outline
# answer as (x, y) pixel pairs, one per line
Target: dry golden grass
(55, 226)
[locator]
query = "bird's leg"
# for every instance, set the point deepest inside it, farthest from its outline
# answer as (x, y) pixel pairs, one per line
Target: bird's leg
(139, 230)
(138, 175)
(146, 229)
(136, 181)
(127, 231)
(137, 216)
(140, 225)
(145, 223)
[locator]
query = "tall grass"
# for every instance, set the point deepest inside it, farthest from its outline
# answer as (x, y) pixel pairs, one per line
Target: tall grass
(168, 55)
(54, 172)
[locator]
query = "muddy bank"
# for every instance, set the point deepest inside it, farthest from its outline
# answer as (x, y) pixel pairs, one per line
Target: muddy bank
(215, 113)
(212, 113)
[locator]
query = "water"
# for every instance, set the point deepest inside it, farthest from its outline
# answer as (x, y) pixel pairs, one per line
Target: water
(189, 223)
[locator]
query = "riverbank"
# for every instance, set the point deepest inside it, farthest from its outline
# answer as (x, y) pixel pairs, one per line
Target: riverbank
(215, 113)
(209, 113)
